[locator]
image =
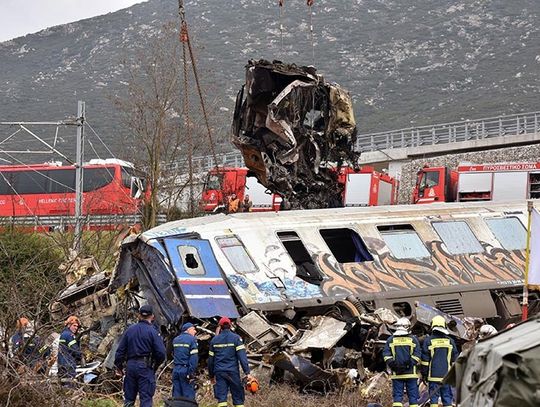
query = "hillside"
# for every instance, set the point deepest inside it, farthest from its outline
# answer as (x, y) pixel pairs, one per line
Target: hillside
(405, 63)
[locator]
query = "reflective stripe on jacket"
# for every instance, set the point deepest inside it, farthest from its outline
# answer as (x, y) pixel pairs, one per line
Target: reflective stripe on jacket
(185, 352)
(438, 353)
(69, 352)
(405, 352)
(226, 351)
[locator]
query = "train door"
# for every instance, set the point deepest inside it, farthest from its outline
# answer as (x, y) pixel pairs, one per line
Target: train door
(205, 292)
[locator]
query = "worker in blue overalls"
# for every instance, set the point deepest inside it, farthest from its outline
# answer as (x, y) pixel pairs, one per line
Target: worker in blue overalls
(439, 352)
(186, 359)
(29, 347)
(140, 352)
(69, 351)
(402, 354)
(226, 351)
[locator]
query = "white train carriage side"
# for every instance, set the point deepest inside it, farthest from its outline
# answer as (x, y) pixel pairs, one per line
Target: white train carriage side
(463, 258)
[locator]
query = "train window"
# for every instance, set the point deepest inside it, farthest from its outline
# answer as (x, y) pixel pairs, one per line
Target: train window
(237, 255)
(95, 178)
(30, 182)
(191, 260)
(305, 267)
(6, 179)
(403, 241)
(458, 237)
(346, 245)
(510, 232)
(127, 173)
(61, 181)
(214, 181)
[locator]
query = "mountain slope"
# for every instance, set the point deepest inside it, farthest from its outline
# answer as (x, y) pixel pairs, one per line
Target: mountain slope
(405, 63)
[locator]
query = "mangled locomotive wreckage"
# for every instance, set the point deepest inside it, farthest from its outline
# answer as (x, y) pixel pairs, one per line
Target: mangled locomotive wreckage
(291, 278)
(291, 126)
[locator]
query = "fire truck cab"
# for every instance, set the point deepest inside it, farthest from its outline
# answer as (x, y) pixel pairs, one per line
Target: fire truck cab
(484, 182)
(365, 187)
(223, 182)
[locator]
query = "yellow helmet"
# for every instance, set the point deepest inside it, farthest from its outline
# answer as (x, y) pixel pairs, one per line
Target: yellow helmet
(438, 322)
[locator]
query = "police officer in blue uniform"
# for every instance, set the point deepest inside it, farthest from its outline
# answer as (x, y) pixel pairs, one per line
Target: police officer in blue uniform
(226, 351)
(402, 353)
(140, 352)
(69, 351)
(438, 354)
(186, 359)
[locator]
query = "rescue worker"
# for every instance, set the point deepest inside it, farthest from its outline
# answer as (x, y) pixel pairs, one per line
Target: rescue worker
(234, 204)
(69, 351)
(29, 347)
(140, 352)
(402, 354)
(246, 204)
(186, 359)
(439, 352)
(226, 351)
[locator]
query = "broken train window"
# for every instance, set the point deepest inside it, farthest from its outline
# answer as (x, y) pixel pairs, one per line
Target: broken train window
(346, 245)
(234, 251)
(305, 267)
(403, 241)
(458, 237)
(191, 260)
(510, 232)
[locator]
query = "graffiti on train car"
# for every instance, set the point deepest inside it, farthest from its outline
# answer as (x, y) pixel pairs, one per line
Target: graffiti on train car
(386, 273)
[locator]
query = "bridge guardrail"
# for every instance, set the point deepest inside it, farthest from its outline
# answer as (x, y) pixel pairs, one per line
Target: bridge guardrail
(445, 133)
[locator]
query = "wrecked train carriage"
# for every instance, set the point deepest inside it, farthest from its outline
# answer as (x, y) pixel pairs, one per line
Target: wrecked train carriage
(289, 124)
(464, 259)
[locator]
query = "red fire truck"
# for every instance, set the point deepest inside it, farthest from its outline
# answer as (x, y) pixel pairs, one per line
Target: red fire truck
(484, 182)
(366, 187)
(44, 194)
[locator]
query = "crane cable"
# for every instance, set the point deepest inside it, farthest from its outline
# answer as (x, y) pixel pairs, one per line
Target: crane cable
(186, 43)
(280, 3)
(309, 3)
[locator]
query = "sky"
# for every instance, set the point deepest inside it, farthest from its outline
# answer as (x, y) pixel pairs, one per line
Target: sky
(21, 17)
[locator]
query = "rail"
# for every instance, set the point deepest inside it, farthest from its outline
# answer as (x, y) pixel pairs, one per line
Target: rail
(62, 222)
(445, 133)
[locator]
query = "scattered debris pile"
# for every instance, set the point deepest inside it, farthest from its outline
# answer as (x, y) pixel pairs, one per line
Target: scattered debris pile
(336, 348)
(291, 125)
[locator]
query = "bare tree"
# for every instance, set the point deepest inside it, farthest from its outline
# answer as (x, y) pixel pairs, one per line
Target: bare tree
(151, 109)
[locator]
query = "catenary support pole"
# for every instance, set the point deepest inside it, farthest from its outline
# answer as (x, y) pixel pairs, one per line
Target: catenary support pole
(525, 310)
(79, 177)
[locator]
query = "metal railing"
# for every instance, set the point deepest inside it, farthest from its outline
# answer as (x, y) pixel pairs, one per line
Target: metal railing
(446, 133)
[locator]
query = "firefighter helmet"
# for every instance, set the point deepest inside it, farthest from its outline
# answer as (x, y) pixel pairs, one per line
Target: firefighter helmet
(251, 384)
(72, 319)
(22, 323)
(438, 323)
(486, 331)
(403, 326)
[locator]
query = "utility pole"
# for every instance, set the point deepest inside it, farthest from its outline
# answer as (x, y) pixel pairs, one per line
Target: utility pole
(79, 177)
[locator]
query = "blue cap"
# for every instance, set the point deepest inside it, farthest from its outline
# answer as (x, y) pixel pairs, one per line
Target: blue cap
(146, 310)
(186, 326)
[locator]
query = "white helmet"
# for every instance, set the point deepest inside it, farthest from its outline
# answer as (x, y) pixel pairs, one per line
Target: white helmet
(402, 326)
(486, 331)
